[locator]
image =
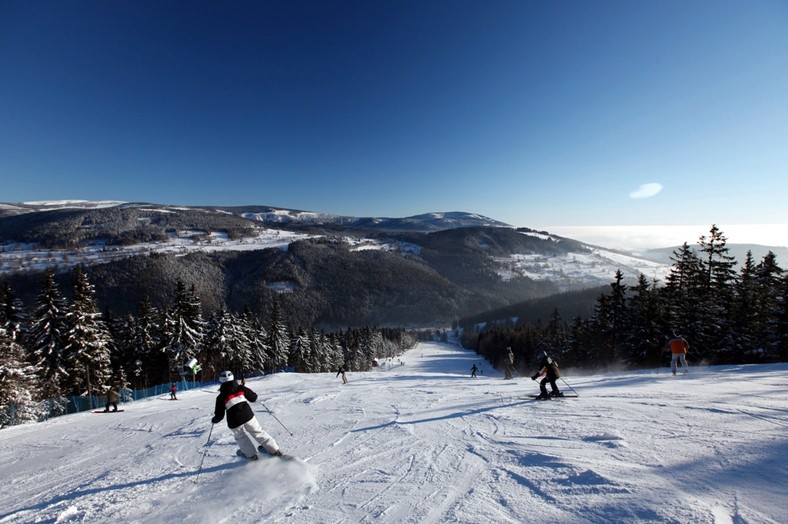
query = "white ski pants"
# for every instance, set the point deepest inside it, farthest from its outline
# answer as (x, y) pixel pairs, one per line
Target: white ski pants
(678, 357)
(251, 434)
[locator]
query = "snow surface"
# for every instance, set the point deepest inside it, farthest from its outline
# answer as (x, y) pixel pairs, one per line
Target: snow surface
(423, 442)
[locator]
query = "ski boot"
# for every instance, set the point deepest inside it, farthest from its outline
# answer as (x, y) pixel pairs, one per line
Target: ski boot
(556, 394)
(277, 453)
(543, 396)
(240, 454)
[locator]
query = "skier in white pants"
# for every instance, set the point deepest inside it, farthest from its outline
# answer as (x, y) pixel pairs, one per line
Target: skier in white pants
(234, 398)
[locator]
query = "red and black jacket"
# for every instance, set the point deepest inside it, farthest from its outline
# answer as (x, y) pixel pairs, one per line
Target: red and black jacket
(234, 399)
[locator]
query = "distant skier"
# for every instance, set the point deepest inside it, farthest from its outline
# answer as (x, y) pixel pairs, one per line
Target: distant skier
(549, 368)
(679, 347)
(112, 400)
(342, 371)
(474, 369)
(234, 398)
(173, 390)
(509, 363)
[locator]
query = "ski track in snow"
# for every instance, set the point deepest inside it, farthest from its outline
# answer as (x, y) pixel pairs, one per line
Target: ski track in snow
(423, 443)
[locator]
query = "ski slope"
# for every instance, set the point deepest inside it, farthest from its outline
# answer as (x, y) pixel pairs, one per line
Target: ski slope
(422, 442)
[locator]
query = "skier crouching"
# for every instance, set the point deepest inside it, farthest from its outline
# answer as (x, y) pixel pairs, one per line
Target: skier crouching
(234, 399)
(549, 368)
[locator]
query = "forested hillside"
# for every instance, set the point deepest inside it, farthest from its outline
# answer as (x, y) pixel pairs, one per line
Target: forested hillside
(727, 316)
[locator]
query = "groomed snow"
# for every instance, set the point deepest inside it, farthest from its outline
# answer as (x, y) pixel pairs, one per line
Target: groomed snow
(422, 442)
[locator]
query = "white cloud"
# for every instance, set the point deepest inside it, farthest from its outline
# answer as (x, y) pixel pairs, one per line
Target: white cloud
(646, 190)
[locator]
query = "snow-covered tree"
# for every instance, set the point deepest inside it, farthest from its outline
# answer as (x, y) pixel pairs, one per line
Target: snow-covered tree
(19, 385)
(299, 352)
(226, 344)
(87, 341)
(183, 327)
(48, 339)
(12, 316)
(258, 345)
(278, 339)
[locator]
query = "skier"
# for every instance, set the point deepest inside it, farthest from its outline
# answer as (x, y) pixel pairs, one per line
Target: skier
(234, 399)
(112, 400)
(173, 390)
(549, 368)
(509, 364)
(342, 371)
(474, 369)
(678, 346)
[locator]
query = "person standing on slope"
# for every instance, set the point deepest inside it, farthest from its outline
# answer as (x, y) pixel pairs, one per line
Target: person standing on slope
(474, 369)
(342, 371)
(549, 369)
(234, 399)
(112, 400)
(678, 347)
(173, 390)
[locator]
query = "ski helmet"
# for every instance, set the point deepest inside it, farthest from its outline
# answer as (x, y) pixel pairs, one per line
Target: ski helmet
(225, 376)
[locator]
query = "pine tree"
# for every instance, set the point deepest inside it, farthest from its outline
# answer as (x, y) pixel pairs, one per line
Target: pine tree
(745, 315)
(299, 353)
(87, 341)
(644, 331)
(770, 305)
(147, 360)
(12, 317)
(713, 301)
(278, 340)
(48, 340)
(226, 343)
(611, 321)
(184, 327)
(19, 385)
(258, 346)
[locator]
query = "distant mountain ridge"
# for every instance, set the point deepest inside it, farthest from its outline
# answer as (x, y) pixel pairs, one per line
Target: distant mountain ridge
(325, 270)
(426, 222)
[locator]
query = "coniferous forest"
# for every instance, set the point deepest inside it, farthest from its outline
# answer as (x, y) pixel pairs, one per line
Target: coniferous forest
(727, 315)
(66, 347)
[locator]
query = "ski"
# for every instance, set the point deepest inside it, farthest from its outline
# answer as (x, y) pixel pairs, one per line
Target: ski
(264, 455)
(533, 397)
(102, 411)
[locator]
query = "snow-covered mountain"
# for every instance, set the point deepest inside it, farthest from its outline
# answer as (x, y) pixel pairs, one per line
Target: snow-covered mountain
(585, 266)
(464, 262)
(419, 441)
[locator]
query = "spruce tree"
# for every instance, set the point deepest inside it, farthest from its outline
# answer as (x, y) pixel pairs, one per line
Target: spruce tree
(770, 305)
(713, 335)
(87, 341)
(184, 327)
(47, 340)
(19, 385)
(258, 346)
(12, 316)
(643, 338)
(278, 340)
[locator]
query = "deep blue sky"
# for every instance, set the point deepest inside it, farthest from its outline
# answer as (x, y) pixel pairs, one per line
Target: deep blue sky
(536, 113)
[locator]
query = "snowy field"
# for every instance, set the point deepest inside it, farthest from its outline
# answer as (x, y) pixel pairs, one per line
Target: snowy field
(422, 442)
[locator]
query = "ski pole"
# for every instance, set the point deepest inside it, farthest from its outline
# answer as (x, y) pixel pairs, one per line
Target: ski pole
(570, 387)
(280, 422)
(204, 452)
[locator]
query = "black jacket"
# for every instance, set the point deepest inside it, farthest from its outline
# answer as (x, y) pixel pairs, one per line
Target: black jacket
(549, 367)
(234, 399)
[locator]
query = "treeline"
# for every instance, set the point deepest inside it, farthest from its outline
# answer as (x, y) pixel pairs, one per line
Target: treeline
(727, 315)
(67, 347)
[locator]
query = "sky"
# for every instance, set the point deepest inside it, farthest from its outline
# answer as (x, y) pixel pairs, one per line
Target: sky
(539, 114)
(422, 442)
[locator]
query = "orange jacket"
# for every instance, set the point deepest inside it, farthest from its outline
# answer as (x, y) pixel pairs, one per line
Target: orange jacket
(678, 345)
